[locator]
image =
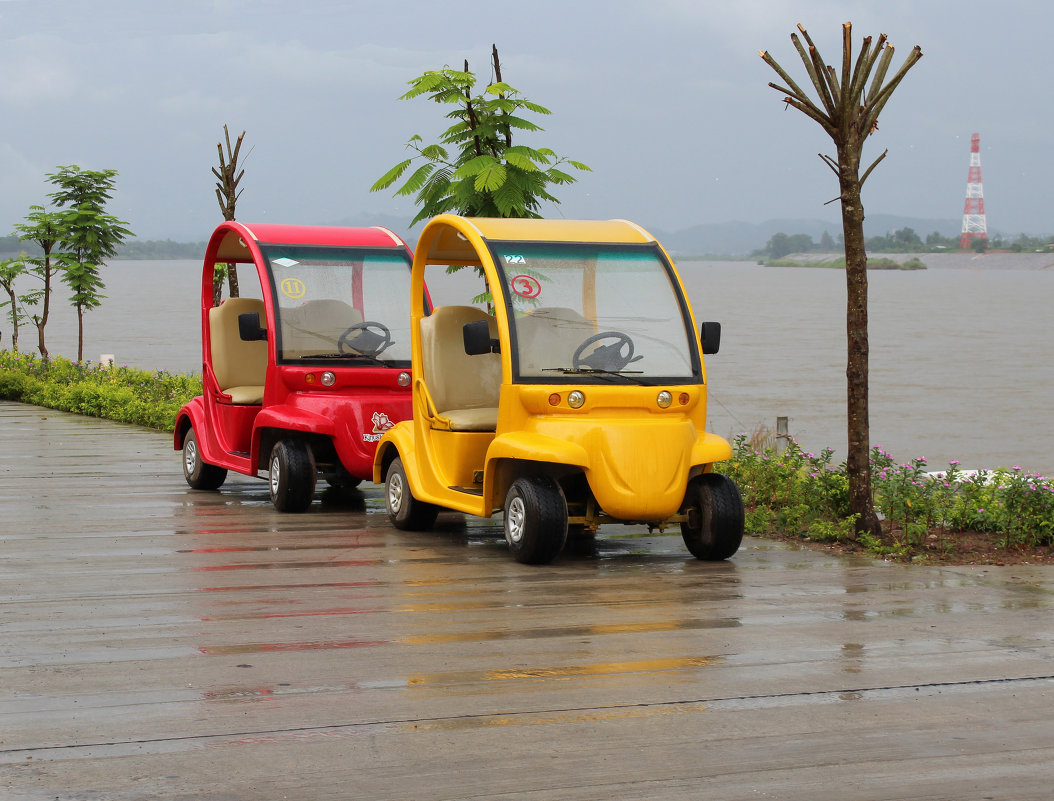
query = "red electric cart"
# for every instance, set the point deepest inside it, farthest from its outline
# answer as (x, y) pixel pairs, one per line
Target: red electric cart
(305, 371)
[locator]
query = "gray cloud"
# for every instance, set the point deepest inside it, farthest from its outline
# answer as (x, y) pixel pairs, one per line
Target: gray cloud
(666, 101)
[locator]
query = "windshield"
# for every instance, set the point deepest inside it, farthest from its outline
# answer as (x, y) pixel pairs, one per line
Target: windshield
(341, 303)
(596, 311)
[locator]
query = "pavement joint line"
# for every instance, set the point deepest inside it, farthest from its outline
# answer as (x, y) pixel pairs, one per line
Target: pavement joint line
(525, 713)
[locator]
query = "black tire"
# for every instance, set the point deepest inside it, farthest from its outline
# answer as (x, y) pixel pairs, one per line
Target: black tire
(715, 527)
(200, 474)
(343, 480)
(535, 519)
(291, 475)
(342, 490)
(404, 510)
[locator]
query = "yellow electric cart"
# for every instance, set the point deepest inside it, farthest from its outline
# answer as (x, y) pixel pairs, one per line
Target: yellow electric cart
(565, 386)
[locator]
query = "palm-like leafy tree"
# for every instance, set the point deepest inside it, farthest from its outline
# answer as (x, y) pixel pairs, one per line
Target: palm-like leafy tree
(474, 168)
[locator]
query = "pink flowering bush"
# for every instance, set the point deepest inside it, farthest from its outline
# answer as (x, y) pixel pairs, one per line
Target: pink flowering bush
(801, 494)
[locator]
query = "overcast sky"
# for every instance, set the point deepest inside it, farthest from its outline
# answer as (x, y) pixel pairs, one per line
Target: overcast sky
(666, 100)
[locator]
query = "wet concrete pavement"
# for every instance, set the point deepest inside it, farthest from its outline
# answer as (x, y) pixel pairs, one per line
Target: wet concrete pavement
(162, 643)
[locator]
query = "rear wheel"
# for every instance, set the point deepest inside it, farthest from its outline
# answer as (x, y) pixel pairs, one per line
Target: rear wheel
(200, 474)
(714, 528)
(404, 510)
(343, 480)
(292, 475)
(535, 519)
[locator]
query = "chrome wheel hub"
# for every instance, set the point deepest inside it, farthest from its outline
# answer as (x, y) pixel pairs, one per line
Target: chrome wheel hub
(190, 457)
(395, 493)
(276, 475)
(514, 520)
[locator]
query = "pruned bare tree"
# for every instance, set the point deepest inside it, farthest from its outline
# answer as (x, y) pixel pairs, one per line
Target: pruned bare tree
(227, 194)
(849, 102)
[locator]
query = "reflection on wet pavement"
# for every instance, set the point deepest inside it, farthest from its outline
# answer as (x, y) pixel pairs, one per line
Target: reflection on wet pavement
(148, 631)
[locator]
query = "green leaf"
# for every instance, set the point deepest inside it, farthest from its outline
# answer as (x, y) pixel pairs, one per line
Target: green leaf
(417, 180)
(391, 176)
(475, 166)
(434, 152)
(491, 178)
(519, 123)
(520, 157)
(509, 199)
(534, 107)
(559, 176)
(500, 88)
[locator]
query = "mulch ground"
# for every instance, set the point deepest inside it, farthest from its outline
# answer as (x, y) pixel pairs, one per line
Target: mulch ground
(961, 548)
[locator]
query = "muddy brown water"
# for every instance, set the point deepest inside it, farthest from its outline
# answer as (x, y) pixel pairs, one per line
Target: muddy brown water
(961, 364)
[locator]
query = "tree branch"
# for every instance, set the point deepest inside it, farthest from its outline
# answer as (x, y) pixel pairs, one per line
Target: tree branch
(874, 164)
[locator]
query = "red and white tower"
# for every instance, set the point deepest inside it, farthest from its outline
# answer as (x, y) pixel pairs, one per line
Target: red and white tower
(974, 225)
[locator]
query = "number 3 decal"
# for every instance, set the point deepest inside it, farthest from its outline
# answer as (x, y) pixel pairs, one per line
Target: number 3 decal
(526, 286)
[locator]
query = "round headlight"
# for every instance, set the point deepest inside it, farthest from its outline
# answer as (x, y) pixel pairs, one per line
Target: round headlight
(576, 398)
(328, 379)
(664, 399)
(403, 379)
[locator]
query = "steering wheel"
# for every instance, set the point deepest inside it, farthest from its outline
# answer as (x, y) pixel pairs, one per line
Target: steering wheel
(605, 357)
(372, 338)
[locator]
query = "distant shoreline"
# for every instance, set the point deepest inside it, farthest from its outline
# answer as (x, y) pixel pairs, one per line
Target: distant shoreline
(932, 261)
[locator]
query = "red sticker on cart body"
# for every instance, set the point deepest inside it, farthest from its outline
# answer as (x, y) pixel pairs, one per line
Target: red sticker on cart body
(526, 286)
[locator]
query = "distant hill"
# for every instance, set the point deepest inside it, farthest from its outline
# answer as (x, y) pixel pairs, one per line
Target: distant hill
(741, 238)
(705, 239)
(726, 238)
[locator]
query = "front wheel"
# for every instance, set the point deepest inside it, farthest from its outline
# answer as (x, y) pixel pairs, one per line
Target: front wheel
(535, 519)
(714, 506)
(292, 475)
(200, 474)
(404, 510)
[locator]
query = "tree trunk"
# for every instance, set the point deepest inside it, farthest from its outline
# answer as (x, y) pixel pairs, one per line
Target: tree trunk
(80, 333)
(14, 320)
(858, 467)
(232, 280)
(217, 286)
(43, 320)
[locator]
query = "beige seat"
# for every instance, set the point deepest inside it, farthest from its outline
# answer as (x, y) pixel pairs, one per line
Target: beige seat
(240, 367)
(464, 389)
(315, 327)
(548, 337)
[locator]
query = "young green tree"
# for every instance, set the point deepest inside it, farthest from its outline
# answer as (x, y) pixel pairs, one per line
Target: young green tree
(90, 235)
(46, 229)
(227, 194)
(10, 271)
(475, 169)
(849, 102)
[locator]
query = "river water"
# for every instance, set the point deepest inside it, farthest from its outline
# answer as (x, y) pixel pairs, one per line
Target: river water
(961, 360)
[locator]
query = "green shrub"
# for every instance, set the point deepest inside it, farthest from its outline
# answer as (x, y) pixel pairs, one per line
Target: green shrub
(801, 495)
(125, 394)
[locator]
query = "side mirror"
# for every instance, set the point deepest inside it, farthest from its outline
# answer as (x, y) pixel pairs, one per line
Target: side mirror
(710, 337)
(249, 327)
(477, 338)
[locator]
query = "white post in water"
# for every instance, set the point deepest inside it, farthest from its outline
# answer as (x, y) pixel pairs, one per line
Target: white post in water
(782, 437)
